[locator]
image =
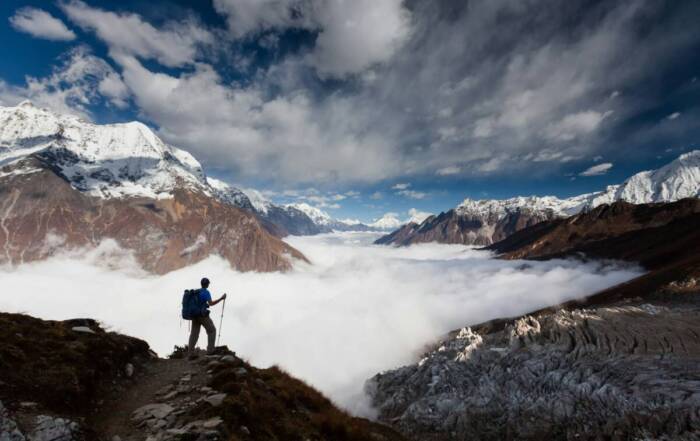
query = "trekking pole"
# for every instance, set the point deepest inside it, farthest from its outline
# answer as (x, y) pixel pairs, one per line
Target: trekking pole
(221, 322)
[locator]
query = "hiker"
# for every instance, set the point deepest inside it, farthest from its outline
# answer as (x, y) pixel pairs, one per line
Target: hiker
(203, 319)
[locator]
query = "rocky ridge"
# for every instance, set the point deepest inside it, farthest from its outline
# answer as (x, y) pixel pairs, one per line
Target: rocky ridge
(627, 371)
(73, 381)
(484, 222)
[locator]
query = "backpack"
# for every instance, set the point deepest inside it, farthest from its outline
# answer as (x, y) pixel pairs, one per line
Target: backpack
(192, 307)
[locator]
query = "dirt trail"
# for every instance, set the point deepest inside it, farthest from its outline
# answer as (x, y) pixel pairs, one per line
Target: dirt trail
(115, 417)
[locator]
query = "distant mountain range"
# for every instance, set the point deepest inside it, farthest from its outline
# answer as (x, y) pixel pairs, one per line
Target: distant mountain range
(483, 222)
(66, 183)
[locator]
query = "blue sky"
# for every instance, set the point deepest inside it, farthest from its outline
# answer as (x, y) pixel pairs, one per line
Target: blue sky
(368, 107)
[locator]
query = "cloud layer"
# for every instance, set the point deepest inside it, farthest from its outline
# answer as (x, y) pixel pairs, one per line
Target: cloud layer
(366, 91)
(358, 310)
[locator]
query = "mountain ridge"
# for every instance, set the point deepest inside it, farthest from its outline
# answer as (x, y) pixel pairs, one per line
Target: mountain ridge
(487, 221)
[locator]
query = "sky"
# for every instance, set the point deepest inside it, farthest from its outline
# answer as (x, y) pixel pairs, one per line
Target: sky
(365, 107)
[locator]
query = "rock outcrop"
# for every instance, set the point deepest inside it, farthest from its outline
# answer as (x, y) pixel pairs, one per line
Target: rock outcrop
(623, 372)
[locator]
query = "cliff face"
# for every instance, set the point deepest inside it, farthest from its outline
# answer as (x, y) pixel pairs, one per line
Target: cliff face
(41, 213)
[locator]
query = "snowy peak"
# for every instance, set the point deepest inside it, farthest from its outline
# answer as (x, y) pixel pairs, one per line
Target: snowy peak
(318, 216)
(499, 209)
(674, 181)
(112, 160)
(389, 221)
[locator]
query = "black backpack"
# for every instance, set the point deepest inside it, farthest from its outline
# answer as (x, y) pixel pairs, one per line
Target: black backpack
(192, 307)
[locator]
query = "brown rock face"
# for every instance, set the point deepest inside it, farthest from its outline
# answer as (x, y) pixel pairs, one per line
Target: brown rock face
(40, 213)
(664, 238)
(455, 228)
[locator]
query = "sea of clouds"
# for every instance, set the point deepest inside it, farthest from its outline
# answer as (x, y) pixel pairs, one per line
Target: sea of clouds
(356, 310)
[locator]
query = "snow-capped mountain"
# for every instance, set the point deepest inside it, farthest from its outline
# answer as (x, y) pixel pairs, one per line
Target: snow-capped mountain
(68, 183)
(328, 223)
(114, 160)
(483, 222)
(389, 221)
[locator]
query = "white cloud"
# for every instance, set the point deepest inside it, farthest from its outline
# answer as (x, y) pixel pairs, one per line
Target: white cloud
(673, 116)
(175, 44)
(597, 170)
(41, 24)
(574, 125)
(384, 303)
(352, 35)
(449, 170)
(412, 194)
(286, 139)
(376, 196)
(79, 81)
(414, 215)
(255, 16)
(400, 186)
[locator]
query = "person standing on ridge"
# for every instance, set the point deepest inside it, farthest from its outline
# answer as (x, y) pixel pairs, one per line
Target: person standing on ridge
(204, 320)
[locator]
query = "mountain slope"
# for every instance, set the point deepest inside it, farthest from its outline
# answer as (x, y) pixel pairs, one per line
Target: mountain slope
(73, 381)
(66, 184)
(483, 222)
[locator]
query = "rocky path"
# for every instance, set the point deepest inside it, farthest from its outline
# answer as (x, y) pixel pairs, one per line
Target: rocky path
(157, 405)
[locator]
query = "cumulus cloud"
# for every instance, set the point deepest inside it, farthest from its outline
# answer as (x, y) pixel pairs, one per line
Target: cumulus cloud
(357, 310)
(673, 116)
(175, 44)
(41, 24)
(400, 186)
(79, 81)
(597, 170)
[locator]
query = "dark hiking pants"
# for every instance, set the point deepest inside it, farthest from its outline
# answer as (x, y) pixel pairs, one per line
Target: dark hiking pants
(197, 323)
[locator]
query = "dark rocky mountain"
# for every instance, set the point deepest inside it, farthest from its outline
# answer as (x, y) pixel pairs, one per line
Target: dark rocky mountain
(67, 184)
(474, 223)
(74, 381)
(619, 364)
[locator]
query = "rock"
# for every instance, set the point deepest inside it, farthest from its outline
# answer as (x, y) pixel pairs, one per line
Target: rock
(186, 378)
(28, 404)
(165, 389)
(245, 430)
(228, 359)
(171, 395)
(212, 423)
(215, 400)
(155, 410)
(116, 438)
(84, 329)
(48, 428)
(241, 371)
(8, 428)
(129, 369)
(623, 372)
